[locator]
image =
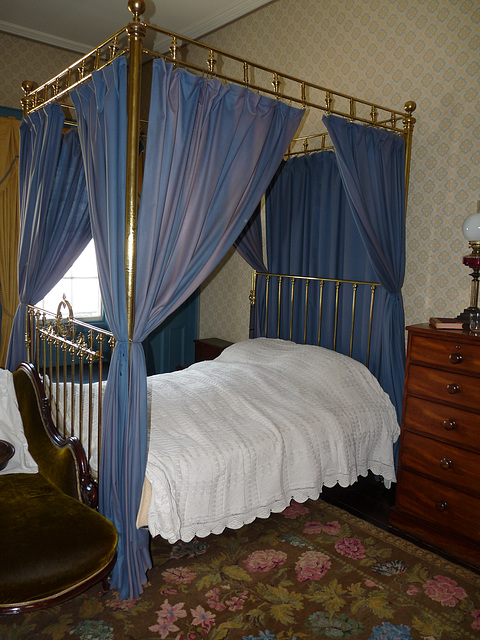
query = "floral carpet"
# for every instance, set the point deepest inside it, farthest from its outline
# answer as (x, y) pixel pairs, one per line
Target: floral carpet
(313, 571)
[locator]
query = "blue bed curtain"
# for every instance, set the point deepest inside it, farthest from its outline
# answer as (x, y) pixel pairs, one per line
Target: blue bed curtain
(250, 246)
(311, 232)
(54, 221)
(341, 215)
(371, 162)
(210, 154)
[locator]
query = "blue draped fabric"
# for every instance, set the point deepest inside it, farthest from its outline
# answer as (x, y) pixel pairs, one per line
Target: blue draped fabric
(211, 151)
(54, 221)
(372, 166)
(249, 244)
(310, 231)
(101, 108)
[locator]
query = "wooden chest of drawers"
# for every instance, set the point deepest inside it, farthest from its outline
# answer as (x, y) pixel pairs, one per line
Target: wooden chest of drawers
(438, 485)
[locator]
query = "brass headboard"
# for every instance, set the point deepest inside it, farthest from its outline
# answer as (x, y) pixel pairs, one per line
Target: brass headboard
(306, 309)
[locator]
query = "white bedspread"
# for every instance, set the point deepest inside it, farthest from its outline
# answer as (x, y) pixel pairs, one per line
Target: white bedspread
(236, 438)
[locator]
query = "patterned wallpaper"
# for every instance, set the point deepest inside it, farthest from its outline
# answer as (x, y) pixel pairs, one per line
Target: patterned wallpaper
(388, 52)
(22, 59)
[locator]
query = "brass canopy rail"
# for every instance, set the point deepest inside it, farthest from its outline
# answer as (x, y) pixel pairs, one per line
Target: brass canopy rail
(187, 53)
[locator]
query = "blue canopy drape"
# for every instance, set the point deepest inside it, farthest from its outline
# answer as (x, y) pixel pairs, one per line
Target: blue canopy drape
(310, 231)
(372, 167)
(54, 221)
(309, 226)
(341, 215)
(249, 244)
(211, 151)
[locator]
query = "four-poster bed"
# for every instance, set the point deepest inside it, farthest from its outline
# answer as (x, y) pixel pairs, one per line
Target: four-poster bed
(163, 259)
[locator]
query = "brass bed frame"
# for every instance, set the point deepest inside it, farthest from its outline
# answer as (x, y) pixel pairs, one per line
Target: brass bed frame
(68, 347)
(131, 41)
(71, 356)
(297, 290)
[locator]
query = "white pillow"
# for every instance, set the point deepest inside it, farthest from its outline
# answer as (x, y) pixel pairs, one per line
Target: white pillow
(11, 428)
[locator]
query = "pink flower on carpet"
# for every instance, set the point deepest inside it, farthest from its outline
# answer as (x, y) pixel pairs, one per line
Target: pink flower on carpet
(332, 528)
(235, 603)
(169, 591)
(444, 590)
(179, 575)
(476, 619)
(295, 510)
(312, 565)
(168, 614)
(213, 600)
(206, 619)
(163, 627)
(350, 547)
(265, 560)
(412, 590)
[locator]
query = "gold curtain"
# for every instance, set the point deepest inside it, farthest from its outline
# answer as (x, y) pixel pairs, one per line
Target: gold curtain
(9, 227)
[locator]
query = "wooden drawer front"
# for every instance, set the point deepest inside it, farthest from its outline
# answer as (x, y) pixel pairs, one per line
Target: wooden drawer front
(444, 506)
(442, 461)
(448, 354)
(450, 424)
(442, 385)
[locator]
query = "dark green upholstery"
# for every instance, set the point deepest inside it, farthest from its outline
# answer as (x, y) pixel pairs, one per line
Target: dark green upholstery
(52, 546)
(56, 464)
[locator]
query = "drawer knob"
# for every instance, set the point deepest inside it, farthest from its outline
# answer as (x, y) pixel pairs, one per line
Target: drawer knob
(453, 387)
(446, 464)
(441, 505)
(449, 424)
(455, 358)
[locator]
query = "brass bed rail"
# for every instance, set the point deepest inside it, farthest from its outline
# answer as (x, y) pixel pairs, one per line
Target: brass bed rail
(189, 54)
(284, 293)
(201, 58)
(71, 359)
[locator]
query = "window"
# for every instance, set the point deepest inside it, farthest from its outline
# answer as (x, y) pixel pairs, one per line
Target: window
(81, 288)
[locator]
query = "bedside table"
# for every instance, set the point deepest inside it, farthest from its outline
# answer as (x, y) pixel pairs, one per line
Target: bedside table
(438, 486)
(209, 348)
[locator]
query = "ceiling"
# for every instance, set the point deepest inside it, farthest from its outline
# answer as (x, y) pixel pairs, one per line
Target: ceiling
(81, 25)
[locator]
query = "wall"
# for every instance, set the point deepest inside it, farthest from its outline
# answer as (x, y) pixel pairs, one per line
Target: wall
(22, 59)
(388, 52)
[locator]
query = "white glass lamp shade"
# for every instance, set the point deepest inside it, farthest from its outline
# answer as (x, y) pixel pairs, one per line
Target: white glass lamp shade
(471, 226)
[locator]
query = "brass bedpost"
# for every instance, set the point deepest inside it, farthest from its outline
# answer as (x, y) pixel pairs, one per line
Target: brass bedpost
(408, 124)
(27, 100)
(136, 33)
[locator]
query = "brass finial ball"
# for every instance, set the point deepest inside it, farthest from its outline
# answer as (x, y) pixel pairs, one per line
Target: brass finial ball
(410, 107)
(28, 86)
(137, 8)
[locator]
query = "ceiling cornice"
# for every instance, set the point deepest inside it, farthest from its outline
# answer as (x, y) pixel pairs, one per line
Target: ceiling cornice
(46, 38)
(229, 12)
